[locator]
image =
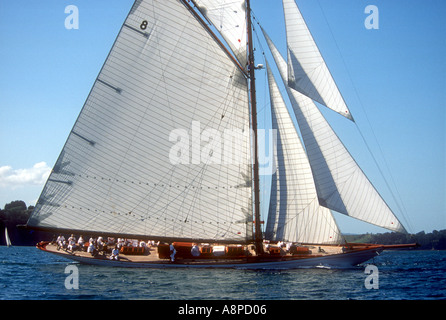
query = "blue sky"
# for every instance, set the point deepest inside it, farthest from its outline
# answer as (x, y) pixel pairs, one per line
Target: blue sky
(392, 78)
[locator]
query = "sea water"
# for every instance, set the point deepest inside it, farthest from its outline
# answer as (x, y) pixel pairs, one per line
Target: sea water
(27, 273)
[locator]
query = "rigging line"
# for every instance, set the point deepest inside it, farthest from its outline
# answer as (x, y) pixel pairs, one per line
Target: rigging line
(263, 57)
(259, 43)
(399, 202)
(401, 207)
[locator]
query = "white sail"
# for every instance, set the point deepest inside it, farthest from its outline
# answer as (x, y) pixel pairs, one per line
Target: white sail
(340, 183)
(294, 213)
(307, 70)
(229, 18)
(166, 90)
(7, 240)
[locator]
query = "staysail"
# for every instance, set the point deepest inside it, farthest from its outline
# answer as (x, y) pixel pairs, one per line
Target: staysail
(340, 183)
(307, 70)
(145, 156)
(294, 213)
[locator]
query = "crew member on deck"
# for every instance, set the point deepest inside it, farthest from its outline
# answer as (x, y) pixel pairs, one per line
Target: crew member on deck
(115, 253)
(81, 243)
(172, 253)
(61, 241)
(195, 251)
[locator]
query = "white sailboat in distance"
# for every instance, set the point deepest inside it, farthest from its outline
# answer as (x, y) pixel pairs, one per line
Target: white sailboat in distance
(7, 240)
(165, 150)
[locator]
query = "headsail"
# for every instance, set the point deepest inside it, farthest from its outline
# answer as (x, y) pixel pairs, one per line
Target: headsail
(307, 71)
(340, 183)
(143, 157)
(294, 213)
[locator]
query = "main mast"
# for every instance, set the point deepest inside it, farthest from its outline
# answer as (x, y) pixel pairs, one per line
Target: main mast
(258, 238)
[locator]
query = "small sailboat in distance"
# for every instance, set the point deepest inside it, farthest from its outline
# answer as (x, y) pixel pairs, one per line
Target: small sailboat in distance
(7, 240)
(166, 150)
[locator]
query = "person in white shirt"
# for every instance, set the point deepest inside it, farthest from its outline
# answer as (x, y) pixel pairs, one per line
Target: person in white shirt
(101, 245)
(60, 240)
(115, 254)
(72, 243)
(91, 249)
(120, 243)
(81, 243)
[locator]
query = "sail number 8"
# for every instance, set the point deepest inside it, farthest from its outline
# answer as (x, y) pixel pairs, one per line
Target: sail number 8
(143, 25)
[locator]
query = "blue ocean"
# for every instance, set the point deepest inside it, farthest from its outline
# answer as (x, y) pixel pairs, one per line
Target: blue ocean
(29, 274)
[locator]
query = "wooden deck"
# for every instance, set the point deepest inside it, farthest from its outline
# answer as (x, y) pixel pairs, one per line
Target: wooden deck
(337, 256)
(151, 255)
(329, 256)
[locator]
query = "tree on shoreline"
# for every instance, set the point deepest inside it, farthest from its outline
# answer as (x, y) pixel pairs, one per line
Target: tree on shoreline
(435, 240)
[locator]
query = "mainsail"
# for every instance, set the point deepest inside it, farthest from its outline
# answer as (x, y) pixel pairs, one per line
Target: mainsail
(307, 70)
(294, 213)
(340, 183)
(143, 156)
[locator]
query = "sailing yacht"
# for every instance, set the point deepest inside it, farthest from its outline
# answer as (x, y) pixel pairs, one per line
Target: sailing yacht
(166, 149)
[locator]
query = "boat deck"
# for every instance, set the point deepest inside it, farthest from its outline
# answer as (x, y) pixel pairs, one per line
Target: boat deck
(151, 255)
(232, 256)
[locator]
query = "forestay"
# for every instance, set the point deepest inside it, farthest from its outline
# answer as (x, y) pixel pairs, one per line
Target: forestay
(143, 157)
